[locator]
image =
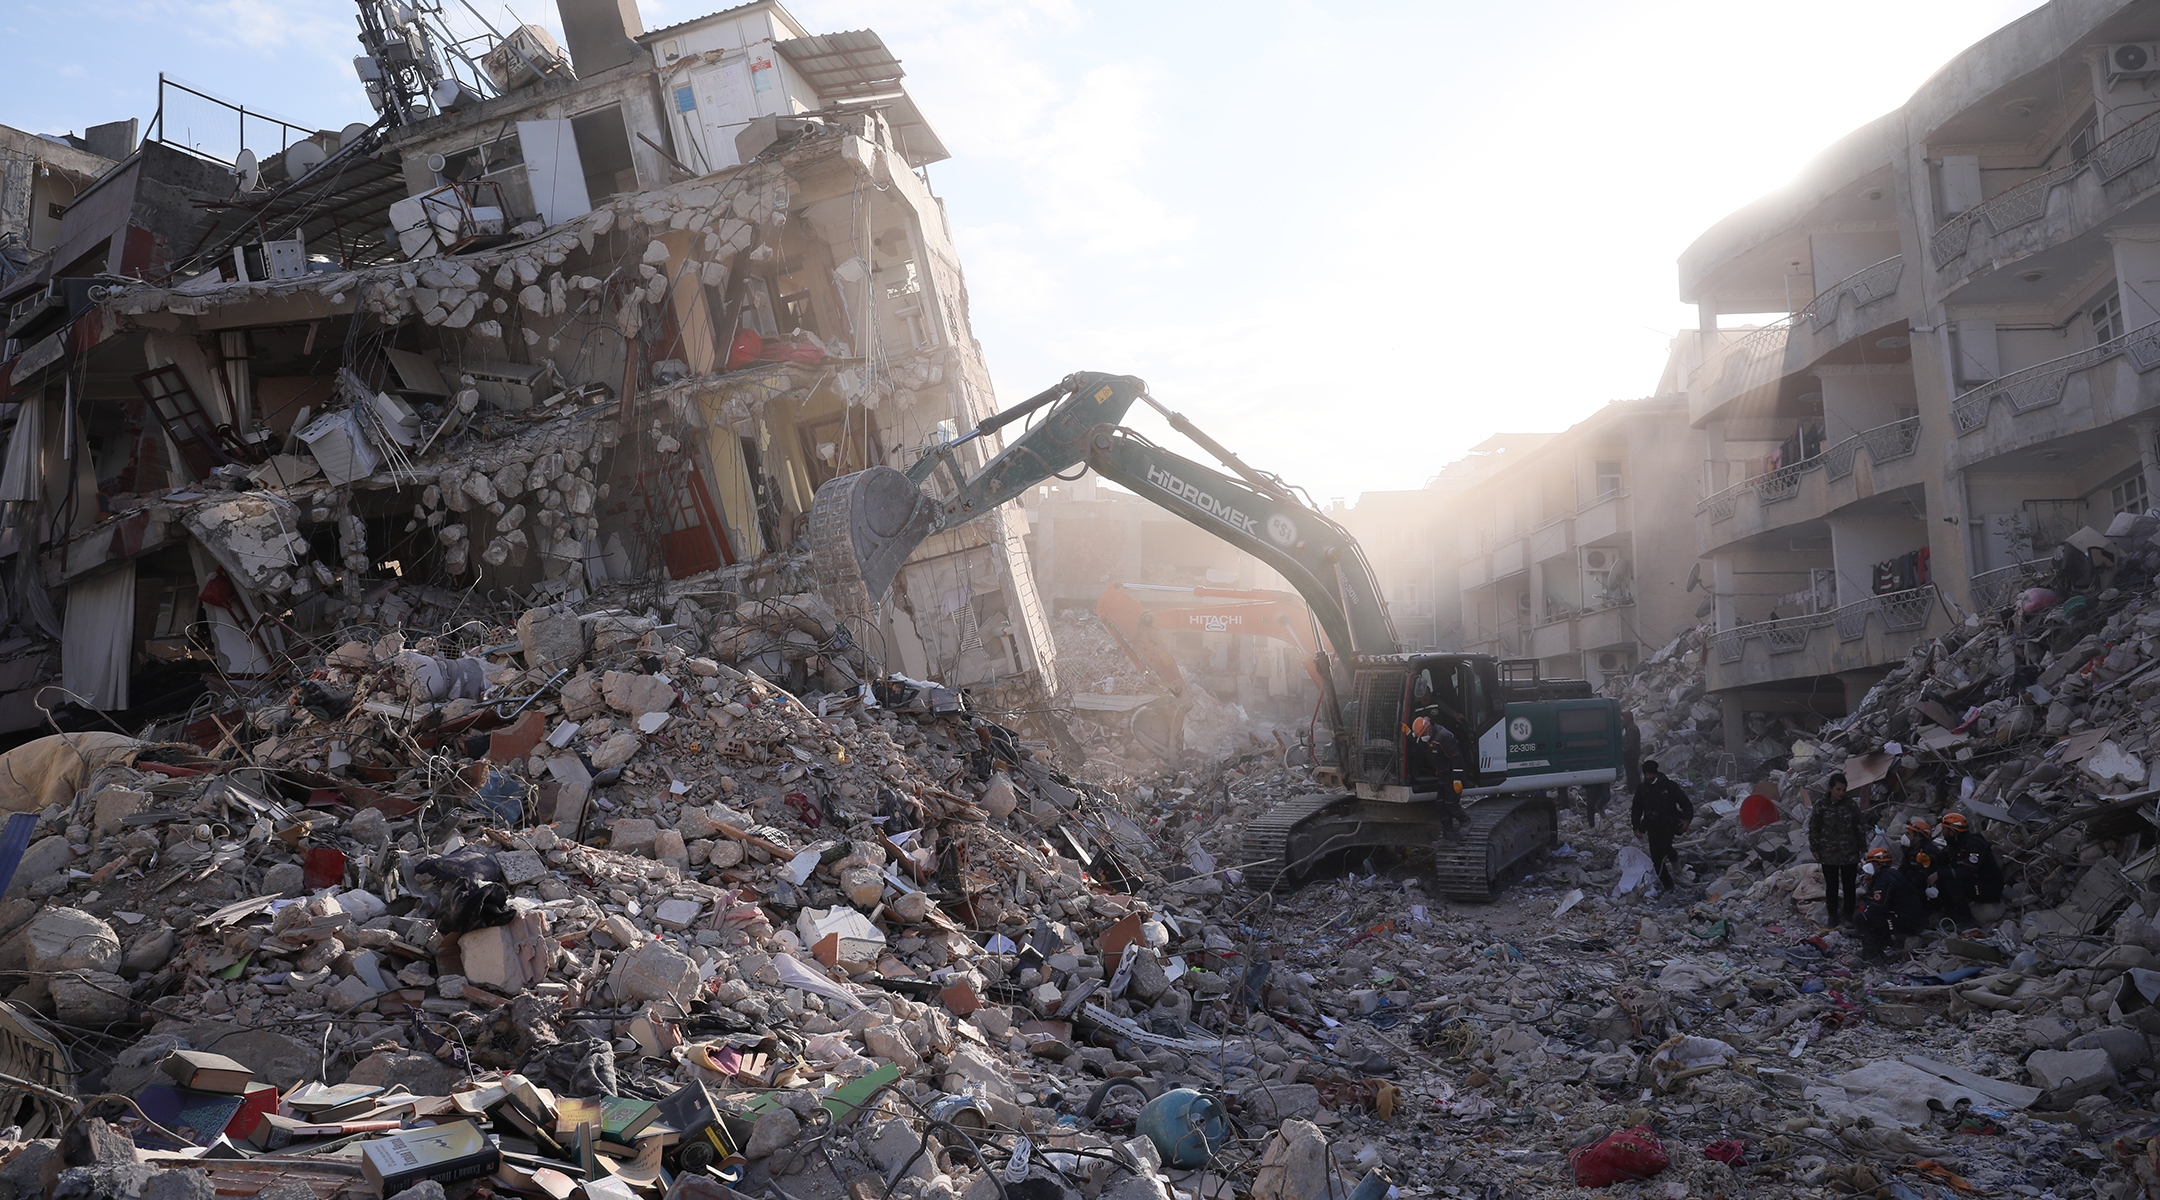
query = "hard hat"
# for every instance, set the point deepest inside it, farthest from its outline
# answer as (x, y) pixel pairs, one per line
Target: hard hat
(1919, 825)
(1956, 821)
(1879, 855)
(1420, 727)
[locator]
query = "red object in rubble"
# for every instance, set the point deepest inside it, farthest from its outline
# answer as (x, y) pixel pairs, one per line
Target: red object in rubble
(1732, 1152)
(800, 802)
(745, 349)
(795, 352)
(323, 867)
(1757, 811)
(1627, 1155)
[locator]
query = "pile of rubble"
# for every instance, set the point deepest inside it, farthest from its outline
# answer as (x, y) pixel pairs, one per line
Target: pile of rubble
(1124, 714)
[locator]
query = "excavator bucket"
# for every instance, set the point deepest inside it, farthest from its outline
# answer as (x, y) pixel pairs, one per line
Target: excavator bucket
(862, 528)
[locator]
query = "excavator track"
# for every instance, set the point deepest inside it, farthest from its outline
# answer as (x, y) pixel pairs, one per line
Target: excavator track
(1267, 839)
(1498, 834)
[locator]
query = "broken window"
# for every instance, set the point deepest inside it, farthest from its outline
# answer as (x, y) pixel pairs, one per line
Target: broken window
(1608, 476)
(484, 159)
(603, 146)
(2107, 318)
(181, 415)
(838, 445)
(2129, 495)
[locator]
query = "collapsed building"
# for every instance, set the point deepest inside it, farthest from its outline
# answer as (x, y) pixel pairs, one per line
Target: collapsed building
(555, 318)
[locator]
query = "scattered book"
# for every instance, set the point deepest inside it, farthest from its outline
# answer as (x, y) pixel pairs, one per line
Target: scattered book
(200, 1071)
(274, 1131)
(322, 1100)
(623, 1118)
(197, 1116)
(260, 1098)
(444, 1153)
(571, 1112)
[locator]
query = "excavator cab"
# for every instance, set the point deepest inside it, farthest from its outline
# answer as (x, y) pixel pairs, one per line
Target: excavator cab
(1460, 694)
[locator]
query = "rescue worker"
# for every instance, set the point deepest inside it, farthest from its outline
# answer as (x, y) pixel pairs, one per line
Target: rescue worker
(1925, 861)
(1662, 812)
(1891, 909)
(1979, 873)
(1837, 836)
(1442, 752)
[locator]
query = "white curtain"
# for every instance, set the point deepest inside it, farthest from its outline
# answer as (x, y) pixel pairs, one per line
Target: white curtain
(97, 641)
(21, 478)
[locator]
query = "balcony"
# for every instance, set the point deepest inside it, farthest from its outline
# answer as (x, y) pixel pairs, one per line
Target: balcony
(2049, 209)
(1552, 539)
(1603, 519)
(2072, 394)
(1993, 589)
(1814, 487)
(1509, 557)
(1839, 313)
(1583, 629)
(1474, 572)
(1872, 632)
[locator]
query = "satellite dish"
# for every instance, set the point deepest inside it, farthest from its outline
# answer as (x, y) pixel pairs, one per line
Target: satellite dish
(436, 162)
(302, 157)
(1694, 577)
(347, 135)
(246, 170)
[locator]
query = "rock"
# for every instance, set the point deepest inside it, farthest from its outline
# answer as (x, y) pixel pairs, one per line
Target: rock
(677, 914)
(45, 858)
(2049, 1033)
(1294, 1166)
(635, 695)
(2069, 1075)
(69, 939)
(887, 1042)
(910, 907)
(450, 987)
(668, 848)
(114, 806)
(654, 970)
(369, 827)
(2126, 1048)
(551, 641)
(727, 853)
(862, 886)
(421, 1074)
(1148, 980)
(633, 835)
(695, 823)
(179, 1185)
(520, 866)
(349, 993)
(893, 1146)
(26, 1169)
(284, 879)
(617, 750)
(1274, 1103)
(426, 1189)
(150, 951)
(90, 997)
(999, 799)
(775, 1129)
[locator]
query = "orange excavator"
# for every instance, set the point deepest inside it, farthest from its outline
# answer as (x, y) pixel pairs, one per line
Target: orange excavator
(1160, 727)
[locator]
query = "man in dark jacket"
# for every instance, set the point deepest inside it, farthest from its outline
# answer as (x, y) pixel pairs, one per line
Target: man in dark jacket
(1979, 873)
(1662, 812)
(1890, 906)
(1837, 836)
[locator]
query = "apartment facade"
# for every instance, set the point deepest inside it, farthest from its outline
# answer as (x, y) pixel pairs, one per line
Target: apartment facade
(1566, 548)
(1960, 377)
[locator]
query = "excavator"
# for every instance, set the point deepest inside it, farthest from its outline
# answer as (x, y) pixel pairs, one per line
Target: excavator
(1160, 727)
(1524, 737)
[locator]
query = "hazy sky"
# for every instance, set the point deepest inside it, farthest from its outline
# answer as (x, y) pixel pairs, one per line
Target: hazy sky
(1350, 240)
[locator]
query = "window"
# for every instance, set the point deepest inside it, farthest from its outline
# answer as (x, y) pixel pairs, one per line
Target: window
(603, 147)
(1608, 477)
(483, 160)
(2130, 496)
(2107, 318)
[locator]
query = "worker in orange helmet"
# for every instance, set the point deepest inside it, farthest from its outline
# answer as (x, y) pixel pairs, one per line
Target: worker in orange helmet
(1890, 908)
(1979, 877)
(1441, 751)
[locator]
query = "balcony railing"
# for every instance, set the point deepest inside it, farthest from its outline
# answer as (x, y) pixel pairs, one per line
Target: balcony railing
(2041, 384)
(1866, 285)
(1883, 444)
(1898, 612)
(1991, 589)
(1564, 615)
(2027, 202)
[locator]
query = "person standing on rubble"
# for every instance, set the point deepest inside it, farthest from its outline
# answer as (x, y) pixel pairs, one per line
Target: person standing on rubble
(1837, 836)
(1441, 752)
(1662, 812)
(1891, 908)
(1924, 861)
(1979, 874)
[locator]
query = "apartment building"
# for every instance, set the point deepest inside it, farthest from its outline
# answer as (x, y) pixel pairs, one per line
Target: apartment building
(1955, 374)
(552, 317)
(1566, 549)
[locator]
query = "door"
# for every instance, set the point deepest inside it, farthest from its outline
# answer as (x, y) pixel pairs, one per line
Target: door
(554, 171)
(691, 537)
(725, 105)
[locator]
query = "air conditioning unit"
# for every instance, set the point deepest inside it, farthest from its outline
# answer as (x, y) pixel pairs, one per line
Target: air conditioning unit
(2133, 60)
(1609, 661)
(1597, 560)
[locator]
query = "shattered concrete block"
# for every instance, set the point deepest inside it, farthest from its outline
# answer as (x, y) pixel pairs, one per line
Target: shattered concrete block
(2126, 1048)
(284, 879)
(45, 858)
(775, 1129)
(2069, 1075)
(654, 971)
(150, 951)
(115, 805)
(520, 866)
(677, 914)
(421, 1074)
(887, 1042)
(549, 640)
(349, 993)
(1274, 1103)
(635, 695)
(1294, 1166)
(92, 998)
(69, 939)
(617, 750)
(695, 823)
(633, 835)
(668, 847)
